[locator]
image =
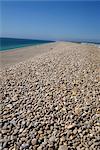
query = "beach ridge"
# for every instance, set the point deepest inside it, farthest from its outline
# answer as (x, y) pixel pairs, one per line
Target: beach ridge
(51, 100)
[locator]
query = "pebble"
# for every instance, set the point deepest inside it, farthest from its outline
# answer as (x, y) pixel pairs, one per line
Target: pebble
(62, 139)
(52, 139)
(40, 148)
(9, 106)
(34, 141)
(13, 122)
(77, 110)
(63, 147)
(25, 146)
(70, 126)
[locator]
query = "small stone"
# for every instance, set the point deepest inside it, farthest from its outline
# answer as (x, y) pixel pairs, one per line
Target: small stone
(48, 131)
(40, 147)
(23, 139)
(55, 132)
(35, 124)
(44, 144)
(23, 123)
(74, 92)
(62, 139)
(57, 108)
(1, 146)
(4, 131)
(64, 109)
(34, 141)
(70, 126)
(13, 122)
(75, 131)
(5, 144)
(15, 132)
(9, 106)
(62, 147)
(45, 140)
(21, 130)
(52, 139)
(25, 146)
(71, 137)
(77, 110)
(40, 132)
(98, 111)
(13, 149)
(15, 98)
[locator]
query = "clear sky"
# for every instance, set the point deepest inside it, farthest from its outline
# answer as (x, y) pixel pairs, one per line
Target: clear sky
(59, 20)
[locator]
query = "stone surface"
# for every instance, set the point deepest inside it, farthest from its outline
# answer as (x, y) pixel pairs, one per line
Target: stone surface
(52, 100)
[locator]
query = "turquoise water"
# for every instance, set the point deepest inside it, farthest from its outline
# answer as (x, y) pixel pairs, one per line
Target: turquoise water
(11, 43)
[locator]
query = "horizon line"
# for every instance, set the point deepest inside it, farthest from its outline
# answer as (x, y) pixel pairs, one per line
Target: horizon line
(55, 40)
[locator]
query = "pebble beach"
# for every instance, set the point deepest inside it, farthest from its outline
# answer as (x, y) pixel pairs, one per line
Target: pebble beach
(51, 99)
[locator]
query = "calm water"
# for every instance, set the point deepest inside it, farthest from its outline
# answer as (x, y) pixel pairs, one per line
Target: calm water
(11, 43)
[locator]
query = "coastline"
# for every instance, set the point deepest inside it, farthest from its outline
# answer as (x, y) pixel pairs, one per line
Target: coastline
(14, 43)
(17, 55)
(17, 47)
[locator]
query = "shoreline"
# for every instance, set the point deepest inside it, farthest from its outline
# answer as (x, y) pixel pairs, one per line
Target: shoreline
(39, 44)
(13, 43)
(23, 46)
(17, 55)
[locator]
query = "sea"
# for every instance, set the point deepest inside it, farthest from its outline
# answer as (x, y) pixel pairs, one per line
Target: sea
(93, 44)
(13, 43)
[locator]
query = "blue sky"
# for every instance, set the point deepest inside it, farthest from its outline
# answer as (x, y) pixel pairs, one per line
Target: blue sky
(59, 20)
